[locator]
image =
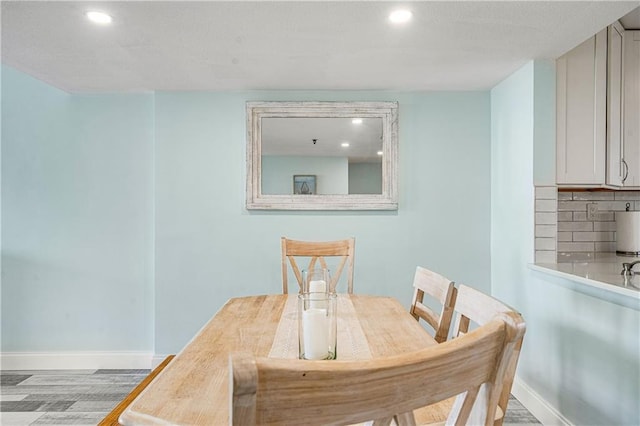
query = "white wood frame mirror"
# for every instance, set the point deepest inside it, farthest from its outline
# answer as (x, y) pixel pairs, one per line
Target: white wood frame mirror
(386, 112)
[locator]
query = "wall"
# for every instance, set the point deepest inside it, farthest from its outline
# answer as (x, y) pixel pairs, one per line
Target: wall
(579, 362)
(512, 190)
(365, 178)
(77, 222)
(332, 176)
(210, 248)
(124, 220)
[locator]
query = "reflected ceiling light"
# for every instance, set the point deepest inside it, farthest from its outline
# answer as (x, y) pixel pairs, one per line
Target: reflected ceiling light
(99, 17)
(400, 16)
(344, 144)
(379, 152)
(357, 121)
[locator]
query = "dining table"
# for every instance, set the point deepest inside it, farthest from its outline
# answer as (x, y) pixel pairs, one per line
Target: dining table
(193, 389)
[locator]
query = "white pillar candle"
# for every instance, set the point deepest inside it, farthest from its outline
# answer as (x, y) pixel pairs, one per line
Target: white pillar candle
(317, 286)
(315, 327)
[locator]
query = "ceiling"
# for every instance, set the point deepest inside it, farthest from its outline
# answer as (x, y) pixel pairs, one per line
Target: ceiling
(323, 136)
(321, 45)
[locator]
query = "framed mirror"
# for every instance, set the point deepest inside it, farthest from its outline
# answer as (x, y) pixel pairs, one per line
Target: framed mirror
(322, 155)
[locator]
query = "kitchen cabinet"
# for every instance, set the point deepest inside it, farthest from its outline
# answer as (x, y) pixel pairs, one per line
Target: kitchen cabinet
(581, 96)
(616, 165)
(598, 112)
(631, 109)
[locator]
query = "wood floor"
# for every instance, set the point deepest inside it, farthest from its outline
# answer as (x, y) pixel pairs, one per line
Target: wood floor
(85, 397)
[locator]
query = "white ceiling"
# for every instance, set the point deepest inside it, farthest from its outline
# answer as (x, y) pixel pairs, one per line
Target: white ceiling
(323, 45)
(322, 137)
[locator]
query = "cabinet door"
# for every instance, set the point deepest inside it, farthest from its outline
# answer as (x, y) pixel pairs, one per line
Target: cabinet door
(581, 113)
(631, 99)
(615, 165)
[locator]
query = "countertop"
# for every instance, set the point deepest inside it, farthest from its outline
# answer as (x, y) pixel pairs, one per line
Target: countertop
(603, 273)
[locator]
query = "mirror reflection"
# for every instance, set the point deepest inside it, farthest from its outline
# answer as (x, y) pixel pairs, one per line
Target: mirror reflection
(321, 155)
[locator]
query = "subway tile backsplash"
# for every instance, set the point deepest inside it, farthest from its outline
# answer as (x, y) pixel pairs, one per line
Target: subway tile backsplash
(546, 222)
(586, 222)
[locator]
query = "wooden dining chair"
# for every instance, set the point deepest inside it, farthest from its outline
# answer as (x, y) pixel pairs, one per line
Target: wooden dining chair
(269, 391)
(443, 291)
(316, 252)
(473, 306)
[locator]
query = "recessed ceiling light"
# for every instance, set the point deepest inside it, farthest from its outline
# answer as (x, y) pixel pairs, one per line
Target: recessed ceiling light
(400, 16)
(379, 152)
(344, 144)
(357, 121)
(99, 17)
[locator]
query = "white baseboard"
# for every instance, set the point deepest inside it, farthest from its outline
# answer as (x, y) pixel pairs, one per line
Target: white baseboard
(538, 406)
(74, 360)
(157, 359)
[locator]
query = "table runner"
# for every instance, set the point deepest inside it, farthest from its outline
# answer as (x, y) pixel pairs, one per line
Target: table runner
(351, 345)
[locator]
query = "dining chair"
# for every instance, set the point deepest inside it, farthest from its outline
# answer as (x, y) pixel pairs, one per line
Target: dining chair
(268, 391)
(473, 306)
(317, 251)
(442, 290)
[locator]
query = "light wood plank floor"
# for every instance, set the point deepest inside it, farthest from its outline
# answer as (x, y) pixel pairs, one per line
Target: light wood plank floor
(84, 397)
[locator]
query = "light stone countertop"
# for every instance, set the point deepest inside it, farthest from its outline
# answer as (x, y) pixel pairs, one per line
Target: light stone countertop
(602, 273)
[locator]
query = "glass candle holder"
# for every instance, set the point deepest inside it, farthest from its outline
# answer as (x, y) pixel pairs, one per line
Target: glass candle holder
(317, 325)
(316, 280)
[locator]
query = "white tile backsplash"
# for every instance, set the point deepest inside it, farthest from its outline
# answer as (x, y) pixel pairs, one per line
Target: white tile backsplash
(619, 206)
(592, 196)
(545, 256)
(546, 222)
(564, 196)
(626, 195)
(573, 206)
(580, 237)
(593, 236)
(603, 246)
(565, 216)
(604, 226)
(575, 226)
(546, 193)
(548, 231)
(545, 243)
(563, 230)
(546, 205)
(565, 236)
(546, 218)
(578, 247)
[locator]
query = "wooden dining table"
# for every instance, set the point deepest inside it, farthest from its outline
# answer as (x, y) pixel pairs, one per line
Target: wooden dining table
(194, 388)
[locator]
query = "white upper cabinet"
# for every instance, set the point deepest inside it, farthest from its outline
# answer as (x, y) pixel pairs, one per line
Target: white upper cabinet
(598, 112)
(631, 109)
(581, 113)
(616, 167)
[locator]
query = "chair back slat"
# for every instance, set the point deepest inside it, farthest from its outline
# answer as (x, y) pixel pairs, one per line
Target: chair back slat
(443, 291)
(317, 251)
(321, 392)
(477, 307)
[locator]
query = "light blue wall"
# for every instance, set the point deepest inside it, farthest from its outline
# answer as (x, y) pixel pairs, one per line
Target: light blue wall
(544, 130)
(124, 218)
(581, 349)
(332, 173)
(512, 191)
(365, 178)
(209, 248)
(77, 219)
